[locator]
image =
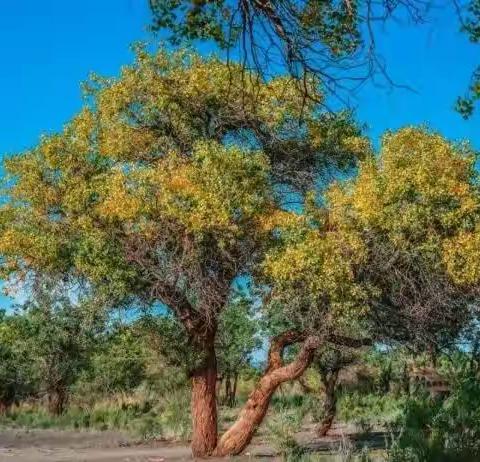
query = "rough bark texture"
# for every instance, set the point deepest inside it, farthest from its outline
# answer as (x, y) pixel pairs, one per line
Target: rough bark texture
(239, 435)
(330, 403)
(57, 399)
(204, 405)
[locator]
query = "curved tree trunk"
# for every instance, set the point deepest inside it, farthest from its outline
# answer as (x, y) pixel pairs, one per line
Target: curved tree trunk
(239, 435)
(330, 403)
(204, 405)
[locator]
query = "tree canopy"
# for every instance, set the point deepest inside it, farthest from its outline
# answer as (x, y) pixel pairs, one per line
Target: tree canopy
(388, 249)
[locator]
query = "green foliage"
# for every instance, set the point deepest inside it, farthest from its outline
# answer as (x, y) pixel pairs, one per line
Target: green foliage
(332, 23)
(367, 410)
(141, 415)
(118, 364)
(239, 336)
(281, 429)
(17, 379)
(58, 340)
(432, 430)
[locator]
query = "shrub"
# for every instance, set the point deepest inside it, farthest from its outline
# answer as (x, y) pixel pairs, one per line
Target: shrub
(435, 431)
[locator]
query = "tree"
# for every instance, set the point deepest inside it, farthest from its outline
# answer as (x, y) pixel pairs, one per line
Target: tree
(333, 41)
(392, 252)
(58, 340)
(239, 336)
(16, 372)
(166, 188)
(119, 362)
(329, 362)
(411, 207)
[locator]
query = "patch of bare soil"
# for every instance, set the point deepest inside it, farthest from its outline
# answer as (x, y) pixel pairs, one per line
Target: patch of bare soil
(86, 446)
(80, 446)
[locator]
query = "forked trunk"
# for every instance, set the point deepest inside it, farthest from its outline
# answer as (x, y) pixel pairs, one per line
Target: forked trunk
(204, 405)
(239, 435)
(330, 403)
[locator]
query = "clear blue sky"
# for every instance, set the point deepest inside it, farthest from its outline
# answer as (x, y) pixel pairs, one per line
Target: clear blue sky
(48, 47)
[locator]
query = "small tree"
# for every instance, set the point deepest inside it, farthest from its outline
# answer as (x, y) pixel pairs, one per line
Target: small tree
(239, 336)
(59, 341)
(119, 361)
(17, 379)
(382, 252)
(329, 363)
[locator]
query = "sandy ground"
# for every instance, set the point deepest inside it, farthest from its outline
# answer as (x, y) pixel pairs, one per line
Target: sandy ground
(79, 446)
(70, 446)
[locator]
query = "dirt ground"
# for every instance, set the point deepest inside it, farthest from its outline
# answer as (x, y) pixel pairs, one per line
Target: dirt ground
(85, 446)
(71, 446)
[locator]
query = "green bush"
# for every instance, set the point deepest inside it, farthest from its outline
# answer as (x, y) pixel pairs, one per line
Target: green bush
(434, 431)
(369, 410)
(281, 429)
(137, 415)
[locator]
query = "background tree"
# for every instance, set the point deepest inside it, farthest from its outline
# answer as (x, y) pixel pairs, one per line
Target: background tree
(239, 335)
(166, 188)
(17, 379)
(119, 362)
(329, 362)
(58, 340)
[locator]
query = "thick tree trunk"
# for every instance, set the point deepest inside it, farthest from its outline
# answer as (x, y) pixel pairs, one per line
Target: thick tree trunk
(239, 435)
(204, 405)
(330, 403)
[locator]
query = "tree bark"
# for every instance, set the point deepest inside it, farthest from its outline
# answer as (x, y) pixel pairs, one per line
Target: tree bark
(57, 399)
(234, 390)
(239, 435)
(4, 407)
(204, 404)
(330, 403)
(228, 390)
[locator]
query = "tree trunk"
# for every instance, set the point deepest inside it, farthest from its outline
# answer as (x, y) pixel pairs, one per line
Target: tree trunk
(219, 386)
(228, 390)
(234, 390)
(330, 403)
(204, 405)
(239, 435)
(57, 399)
(4, 407)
